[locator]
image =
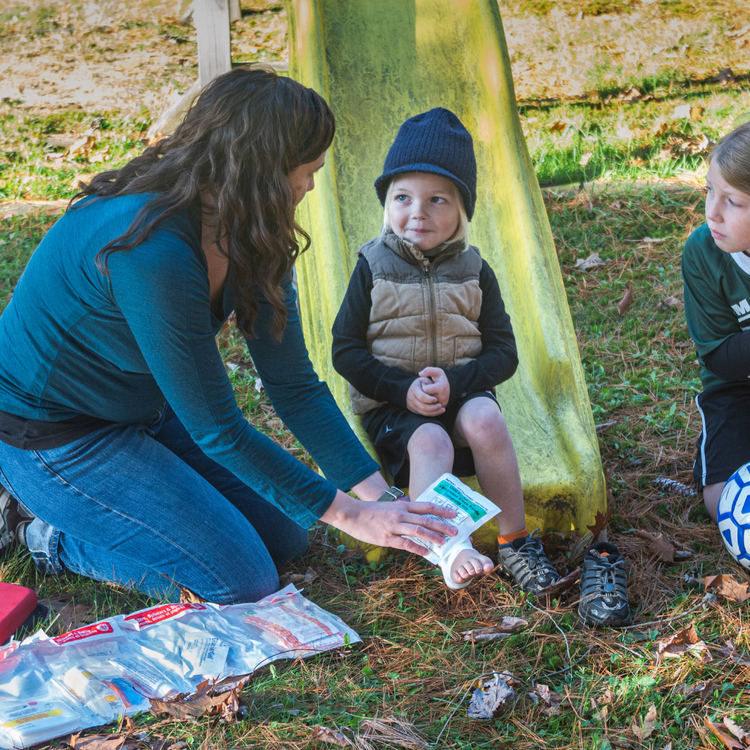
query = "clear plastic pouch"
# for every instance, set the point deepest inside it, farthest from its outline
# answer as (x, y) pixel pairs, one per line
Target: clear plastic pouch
(33, 706)
(182, 639)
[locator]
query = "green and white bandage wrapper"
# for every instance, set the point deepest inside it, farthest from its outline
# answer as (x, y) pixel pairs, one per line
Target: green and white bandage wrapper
(472, 511)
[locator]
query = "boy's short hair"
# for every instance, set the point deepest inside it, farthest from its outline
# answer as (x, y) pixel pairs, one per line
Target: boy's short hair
(462, 230)
(732, 157)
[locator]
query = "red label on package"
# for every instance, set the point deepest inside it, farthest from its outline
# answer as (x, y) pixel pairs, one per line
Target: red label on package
(159, 614)
(99, 628)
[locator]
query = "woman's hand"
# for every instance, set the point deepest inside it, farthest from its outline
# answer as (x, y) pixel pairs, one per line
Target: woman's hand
(387, 524)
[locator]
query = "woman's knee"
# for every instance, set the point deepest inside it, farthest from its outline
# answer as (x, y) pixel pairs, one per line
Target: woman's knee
(430, 441)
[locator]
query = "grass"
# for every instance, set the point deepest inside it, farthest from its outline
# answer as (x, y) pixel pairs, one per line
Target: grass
(641, 374)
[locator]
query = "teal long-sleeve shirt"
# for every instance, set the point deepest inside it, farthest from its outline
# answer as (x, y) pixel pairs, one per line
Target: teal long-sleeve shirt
(74, 341)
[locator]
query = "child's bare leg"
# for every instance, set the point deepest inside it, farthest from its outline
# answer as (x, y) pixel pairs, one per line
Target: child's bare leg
(481, 426)
(711, 495)
(430, 452)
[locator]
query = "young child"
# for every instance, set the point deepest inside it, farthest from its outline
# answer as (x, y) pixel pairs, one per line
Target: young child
(423, 338)
(716, 272)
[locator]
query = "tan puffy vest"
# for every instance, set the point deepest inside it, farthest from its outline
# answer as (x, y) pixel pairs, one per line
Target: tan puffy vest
(423, 314)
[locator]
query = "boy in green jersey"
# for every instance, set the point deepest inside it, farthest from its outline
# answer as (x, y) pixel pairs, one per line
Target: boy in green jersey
(716, 273)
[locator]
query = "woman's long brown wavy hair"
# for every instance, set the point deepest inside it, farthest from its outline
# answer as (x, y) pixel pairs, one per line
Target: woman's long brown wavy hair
(240, 140)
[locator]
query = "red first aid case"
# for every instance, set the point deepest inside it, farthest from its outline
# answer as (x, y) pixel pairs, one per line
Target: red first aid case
(16, 604)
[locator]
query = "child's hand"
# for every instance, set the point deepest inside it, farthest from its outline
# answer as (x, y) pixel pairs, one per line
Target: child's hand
(419, 402)
(440, 388)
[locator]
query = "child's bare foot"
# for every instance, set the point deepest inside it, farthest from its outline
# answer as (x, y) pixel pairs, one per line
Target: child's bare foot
(470, 563)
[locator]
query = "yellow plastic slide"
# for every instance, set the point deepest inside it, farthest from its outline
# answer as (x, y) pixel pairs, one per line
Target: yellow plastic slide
(378, 62)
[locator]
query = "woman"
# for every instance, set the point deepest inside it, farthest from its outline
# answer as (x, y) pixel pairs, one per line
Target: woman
(119, 430)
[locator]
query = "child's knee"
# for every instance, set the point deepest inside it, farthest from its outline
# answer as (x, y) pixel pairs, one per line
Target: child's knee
(484, 424)
(430, 441)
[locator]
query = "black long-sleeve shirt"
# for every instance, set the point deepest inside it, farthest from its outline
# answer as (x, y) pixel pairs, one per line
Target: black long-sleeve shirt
(496, 363)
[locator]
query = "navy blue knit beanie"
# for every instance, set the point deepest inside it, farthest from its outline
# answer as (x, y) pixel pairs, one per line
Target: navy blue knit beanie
(436, 142)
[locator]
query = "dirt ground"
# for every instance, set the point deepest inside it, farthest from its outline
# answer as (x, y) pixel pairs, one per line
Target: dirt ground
(115, 54)
(134, 55)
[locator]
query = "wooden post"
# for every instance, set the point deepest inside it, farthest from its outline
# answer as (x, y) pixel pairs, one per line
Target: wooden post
(235, 12)
(211, 19)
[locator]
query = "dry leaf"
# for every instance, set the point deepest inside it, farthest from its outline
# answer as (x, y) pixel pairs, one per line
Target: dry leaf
(188, 597)
(672, 302)
(507, 627)
(324, 734)
(549, 699)
(728, 587)
(685, 641)
(631, 94)
(600, 522)
(197, 704)
(585, 159)
(695, 113)
(98, 742)
(558, 126)
(701, 690)
(591, 262)
(490, 697)
(664, 549)
(645, 730)
(307, 577)
(725, 76)
(561, 585)
(726, 739)
(730, 651)
(624, 304)
(736, 730)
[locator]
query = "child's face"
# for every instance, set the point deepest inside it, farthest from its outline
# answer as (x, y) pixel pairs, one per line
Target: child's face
(727, 213)
(423, 209)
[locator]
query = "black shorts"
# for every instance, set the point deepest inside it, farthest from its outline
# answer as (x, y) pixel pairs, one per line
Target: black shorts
(724, 443)
(390, 428)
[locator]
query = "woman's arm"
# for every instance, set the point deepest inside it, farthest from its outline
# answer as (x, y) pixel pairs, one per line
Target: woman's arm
(304, 403)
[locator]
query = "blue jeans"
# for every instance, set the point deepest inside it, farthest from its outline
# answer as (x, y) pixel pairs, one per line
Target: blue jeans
(142, 506)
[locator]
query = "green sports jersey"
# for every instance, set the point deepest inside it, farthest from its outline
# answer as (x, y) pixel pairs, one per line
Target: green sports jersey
(717, 295)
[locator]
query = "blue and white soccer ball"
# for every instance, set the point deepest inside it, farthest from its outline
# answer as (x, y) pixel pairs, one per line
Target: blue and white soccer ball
(734, 515)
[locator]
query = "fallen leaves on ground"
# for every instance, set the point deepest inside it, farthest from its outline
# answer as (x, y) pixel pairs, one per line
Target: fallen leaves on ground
(645, 729)
(562, 585)
(624, 304)
(491, 696)
(307, 577)
(600, 522)
(671, 302)
(729, 650)
(584, 264)
(728, 587)
(188, 597)
(548, 699)
(724, 737)
(199, 703)
(331, 737)
(701, 690)
(683, 642)
(100, 741)
(663, 548)
(507, 627)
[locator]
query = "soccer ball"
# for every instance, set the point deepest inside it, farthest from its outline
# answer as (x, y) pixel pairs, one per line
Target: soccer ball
(734, 515)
